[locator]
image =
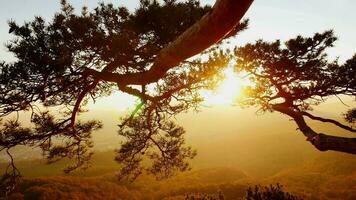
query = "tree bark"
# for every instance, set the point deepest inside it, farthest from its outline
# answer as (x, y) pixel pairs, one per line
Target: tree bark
(320, 141)
(212, 28)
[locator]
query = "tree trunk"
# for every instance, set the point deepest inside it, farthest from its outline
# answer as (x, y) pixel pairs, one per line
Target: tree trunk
(320, 141)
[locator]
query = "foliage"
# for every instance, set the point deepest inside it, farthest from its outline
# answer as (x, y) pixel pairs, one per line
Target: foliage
(71, 188)
(328, 177)
(51, 79)
(220, 196)
(294, 77)
(89, 188)
(297, 74)
(350, 116)
(60, 66)
(268, 193)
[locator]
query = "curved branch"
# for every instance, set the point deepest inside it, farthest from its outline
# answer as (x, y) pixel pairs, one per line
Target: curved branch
(321, 141)
(12, 162)
(109, 68)
(329, 121)
(212, 28)
(154, 99)
(80, 98)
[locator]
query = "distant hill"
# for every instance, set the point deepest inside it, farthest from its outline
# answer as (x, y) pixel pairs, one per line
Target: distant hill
(106, 187)
(237, 150)
(329, 176)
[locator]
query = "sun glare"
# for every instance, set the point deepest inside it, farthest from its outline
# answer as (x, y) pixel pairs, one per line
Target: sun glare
(225, 94)
(227, 91)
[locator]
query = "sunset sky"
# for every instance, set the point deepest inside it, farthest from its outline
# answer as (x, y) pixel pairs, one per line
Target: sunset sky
(274, 19)
(270, 20)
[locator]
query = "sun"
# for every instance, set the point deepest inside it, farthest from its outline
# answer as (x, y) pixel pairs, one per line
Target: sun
(226, 94)
(227, 91)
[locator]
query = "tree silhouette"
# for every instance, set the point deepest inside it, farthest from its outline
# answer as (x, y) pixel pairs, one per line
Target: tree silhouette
(294, 77)
(271, 192)
(62, 64)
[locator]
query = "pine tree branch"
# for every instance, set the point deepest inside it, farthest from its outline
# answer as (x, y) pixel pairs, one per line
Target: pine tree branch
(320, 141)
(212, 28)
(329, 121)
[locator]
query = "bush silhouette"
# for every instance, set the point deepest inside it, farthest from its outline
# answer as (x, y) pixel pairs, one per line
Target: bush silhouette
(272, 192)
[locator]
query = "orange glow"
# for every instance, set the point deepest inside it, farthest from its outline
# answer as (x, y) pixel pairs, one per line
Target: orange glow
(227, 91)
